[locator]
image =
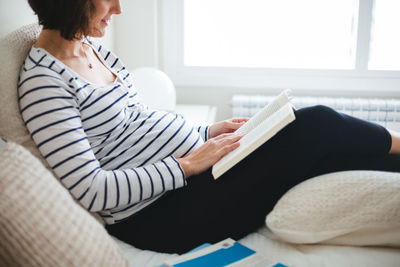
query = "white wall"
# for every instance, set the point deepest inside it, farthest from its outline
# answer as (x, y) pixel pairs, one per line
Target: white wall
(136, 34)
(14, 14)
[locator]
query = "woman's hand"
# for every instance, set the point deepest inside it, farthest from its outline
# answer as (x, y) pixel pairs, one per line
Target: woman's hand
(209, 153)
(227, 126)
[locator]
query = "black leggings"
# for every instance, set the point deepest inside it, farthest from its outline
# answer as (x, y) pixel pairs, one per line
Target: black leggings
(319, 141)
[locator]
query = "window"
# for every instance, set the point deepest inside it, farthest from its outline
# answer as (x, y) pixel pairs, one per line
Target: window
(307, 44)
(313, 34)
(385, 41)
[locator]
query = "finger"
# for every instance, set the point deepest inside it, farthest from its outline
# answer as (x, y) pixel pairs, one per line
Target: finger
(237, 122)
(228, 148)
(232, 126)
(236, 137)
(237, 126)
(240, 120)
(233, 138)
(223, 136)
(228, 136)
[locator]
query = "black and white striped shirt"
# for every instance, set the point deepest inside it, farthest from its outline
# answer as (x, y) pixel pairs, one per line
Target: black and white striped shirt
(111, 151)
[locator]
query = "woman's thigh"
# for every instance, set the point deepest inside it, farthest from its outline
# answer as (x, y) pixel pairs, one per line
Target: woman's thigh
(203, 211)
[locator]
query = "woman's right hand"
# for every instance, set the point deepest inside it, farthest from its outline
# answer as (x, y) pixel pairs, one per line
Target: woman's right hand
(209, 153)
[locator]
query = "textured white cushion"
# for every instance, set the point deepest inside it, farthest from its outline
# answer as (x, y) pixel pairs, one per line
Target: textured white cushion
(40, 225)
(347, 208)
(14, 48)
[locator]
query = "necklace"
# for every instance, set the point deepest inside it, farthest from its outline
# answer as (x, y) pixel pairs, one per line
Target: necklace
(87, 59)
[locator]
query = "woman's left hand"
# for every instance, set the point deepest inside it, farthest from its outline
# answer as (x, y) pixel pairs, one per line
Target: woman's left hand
(226, 126)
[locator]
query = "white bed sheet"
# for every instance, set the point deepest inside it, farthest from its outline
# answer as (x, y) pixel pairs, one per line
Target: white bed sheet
(296, 255)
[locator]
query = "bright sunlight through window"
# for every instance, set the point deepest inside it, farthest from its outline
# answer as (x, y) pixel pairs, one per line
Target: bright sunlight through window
(385, 43)
(308, 34)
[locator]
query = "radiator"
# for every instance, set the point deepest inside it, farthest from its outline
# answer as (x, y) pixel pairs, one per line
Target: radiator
(385, 112)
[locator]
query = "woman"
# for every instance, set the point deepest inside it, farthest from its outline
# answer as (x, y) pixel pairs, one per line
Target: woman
(147, 172)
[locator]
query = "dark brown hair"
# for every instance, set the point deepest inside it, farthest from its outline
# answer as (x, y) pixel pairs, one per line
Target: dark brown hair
(71, 18)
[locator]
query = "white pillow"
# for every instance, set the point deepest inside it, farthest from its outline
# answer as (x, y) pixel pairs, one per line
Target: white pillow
(40, 225)
(346, 208)
(14, 48)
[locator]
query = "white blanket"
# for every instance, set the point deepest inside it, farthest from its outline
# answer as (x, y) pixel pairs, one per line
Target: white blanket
(297, 255)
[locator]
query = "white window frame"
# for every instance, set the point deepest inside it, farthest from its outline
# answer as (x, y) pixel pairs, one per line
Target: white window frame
(359, 81)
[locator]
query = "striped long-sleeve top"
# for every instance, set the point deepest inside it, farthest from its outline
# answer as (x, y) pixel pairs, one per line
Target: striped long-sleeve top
(111, 151)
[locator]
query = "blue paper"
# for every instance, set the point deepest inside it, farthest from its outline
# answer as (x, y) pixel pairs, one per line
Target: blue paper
(220, 257)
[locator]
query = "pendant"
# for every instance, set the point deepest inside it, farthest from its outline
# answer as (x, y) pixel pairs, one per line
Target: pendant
(90, 66)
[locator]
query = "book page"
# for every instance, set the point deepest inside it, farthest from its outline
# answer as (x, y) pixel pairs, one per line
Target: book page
(260, 129)
(255, 138)
(265, 112)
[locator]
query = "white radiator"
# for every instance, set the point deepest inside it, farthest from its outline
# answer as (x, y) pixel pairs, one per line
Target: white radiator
(385, 112)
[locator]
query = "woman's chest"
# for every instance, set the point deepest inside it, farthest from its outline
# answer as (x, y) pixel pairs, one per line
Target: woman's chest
(104, 108)
(95, 73)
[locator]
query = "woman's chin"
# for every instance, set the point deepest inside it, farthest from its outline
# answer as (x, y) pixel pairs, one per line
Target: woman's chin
(97, 33)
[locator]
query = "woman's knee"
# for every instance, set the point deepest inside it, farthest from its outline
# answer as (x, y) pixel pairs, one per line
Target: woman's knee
(317, 110)
(319, 115)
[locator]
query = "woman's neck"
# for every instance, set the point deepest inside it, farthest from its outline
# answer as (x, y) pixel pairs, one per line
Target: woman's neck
(55, 44)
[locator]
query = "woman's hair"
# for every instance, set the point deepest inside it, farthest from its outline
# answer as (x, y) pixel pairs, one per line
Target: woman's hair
(71, 18)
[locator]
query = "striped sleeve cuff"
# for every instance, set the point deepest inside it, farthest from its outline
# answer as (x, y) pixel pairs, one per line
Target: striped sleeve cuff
(176, 172)
(203, 131)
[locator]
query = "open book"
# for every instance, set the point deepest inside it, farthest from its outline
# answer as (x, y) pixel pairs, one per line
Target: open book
(259, 129)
